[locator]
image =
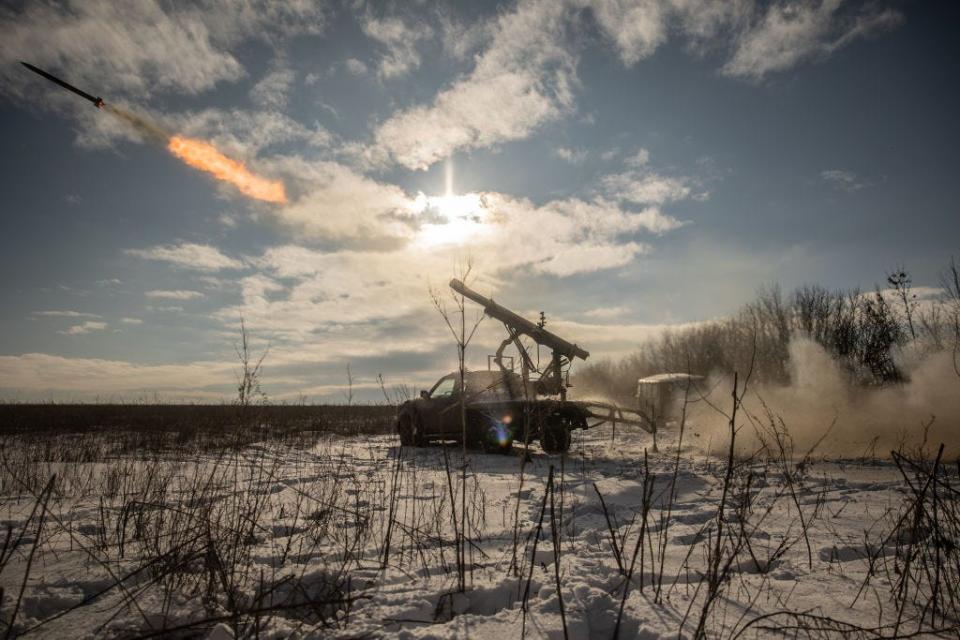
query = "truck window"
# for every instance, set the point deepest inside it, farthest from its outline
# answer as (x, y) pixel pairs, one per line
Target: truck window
(445, 388)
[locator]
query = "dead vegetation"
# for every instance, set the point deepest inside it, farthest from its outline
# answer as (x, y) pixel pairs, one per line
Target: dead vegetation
(309, 526)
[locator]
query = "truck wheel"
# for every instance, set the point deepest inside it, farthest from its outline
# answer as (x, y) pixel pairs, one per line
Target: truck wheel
(410, 429)
(556, 435)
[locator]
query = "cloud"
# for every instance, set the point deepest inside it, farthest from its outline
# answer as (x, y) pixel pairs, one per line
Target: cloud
(526, 75)
(606, 313)
(65, 314)
(636, 28)
(248, 133)
(38, 372)
(355, 67)
(86, 327)
(523, 79)
(334, 202)
(460, 39)
(178, 294)
(639, 159)
(227, 220)
(188, 255)
(573, 156)
(272, 90)
(154, 49)
(400, 40)
(789, 33)
(132, 321)
(641, 184)
(237, 132)
(178, 47)
(843, 180)
(646, 188)
(566, 237)
(164, 309)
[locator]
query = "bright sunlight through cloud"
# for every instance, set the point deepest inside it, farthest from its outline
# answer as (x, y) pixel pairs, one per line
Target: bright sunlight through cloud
(450, 219)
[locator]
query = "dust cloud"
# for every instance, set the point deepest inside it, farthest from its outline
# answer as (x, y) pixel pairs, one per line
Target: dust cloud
(823, 408)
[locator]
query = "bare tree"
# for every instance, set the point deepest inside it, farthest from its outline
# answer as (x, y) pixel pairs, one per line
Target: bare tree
(248, 377)
(455, 318)
(900, 280)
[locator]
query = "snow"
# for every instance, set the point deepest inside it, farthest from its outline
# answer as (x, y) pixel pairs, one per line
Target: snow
(139, 545)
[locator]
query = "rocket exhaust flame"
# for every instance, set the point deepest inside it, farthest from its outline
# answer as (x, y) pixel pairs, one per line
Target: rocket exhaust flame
(196, 153)
(204, 156)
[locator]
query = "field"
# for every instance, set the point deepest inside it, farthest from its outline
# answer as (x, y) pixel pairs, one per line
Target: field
(327, 528)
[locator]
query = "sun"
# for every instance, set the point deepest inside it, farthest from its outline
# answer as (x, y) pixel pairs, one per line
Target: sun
(451, 219)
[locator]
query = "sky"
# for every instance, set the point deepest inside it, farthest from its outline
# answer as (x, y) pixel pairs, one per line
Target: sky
(624, 167)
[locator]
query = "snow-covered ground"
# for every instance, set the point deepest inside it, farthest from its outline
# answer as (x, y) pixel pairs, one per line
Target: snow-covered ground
(338, 538)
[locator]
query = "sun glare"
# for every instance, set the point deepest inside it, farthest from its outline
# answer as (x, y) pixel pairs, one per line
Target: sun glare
(450, 219)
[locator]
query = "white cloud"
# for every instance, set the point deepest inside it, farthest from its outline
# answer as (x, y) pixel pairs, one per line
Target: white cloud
(247, 132)
(573, 156)
(638, 159)
(646, 187)
(789, 33)
(526, 75)
(86, 327)
(272, 90)
(164, 309)
(522, 80)
(643, 185)
(177, 294)
(843, 180)
(38, 372)
(65, 314)
(355, 67)
(181, 47)
(131, 321)
(636, 28)
(606, 313)
(400, 40)
(610, 154)
(227, 220)
(334, 202)
(189, 255)
(460, 39)
(154, 49)
(236, 132)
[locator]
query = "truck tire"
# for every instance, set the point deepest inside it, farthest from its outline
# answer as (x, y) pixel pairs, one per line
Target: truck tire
(410, 429)
(556, 436)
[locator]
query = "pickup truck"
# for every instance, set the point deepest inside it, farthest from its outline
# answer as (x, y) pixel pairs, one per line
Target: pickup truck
(498, 413)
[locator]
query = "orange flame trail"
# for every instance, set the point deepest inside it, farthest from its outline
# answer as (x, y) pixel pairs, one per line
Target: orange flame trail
(204, 156)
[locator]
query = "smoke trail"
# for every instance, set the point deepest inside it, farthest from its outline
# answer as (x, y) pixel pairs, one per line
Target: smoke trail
(865, 420)
(149, 129)
(204, 156)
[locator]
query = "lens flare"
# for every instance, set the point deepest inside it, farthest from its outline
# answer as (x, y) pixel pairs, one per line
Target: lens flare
(204, 156)
(501, 434)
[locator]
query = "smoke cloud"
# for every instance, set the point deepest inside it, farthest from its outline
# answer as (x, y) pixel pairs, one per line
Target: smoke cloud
(821, 402)
(149, 129)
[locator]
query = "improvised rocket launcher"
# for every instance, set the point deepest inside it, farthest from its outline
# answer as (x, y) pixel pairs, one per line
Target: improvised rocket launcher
(493, 409)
